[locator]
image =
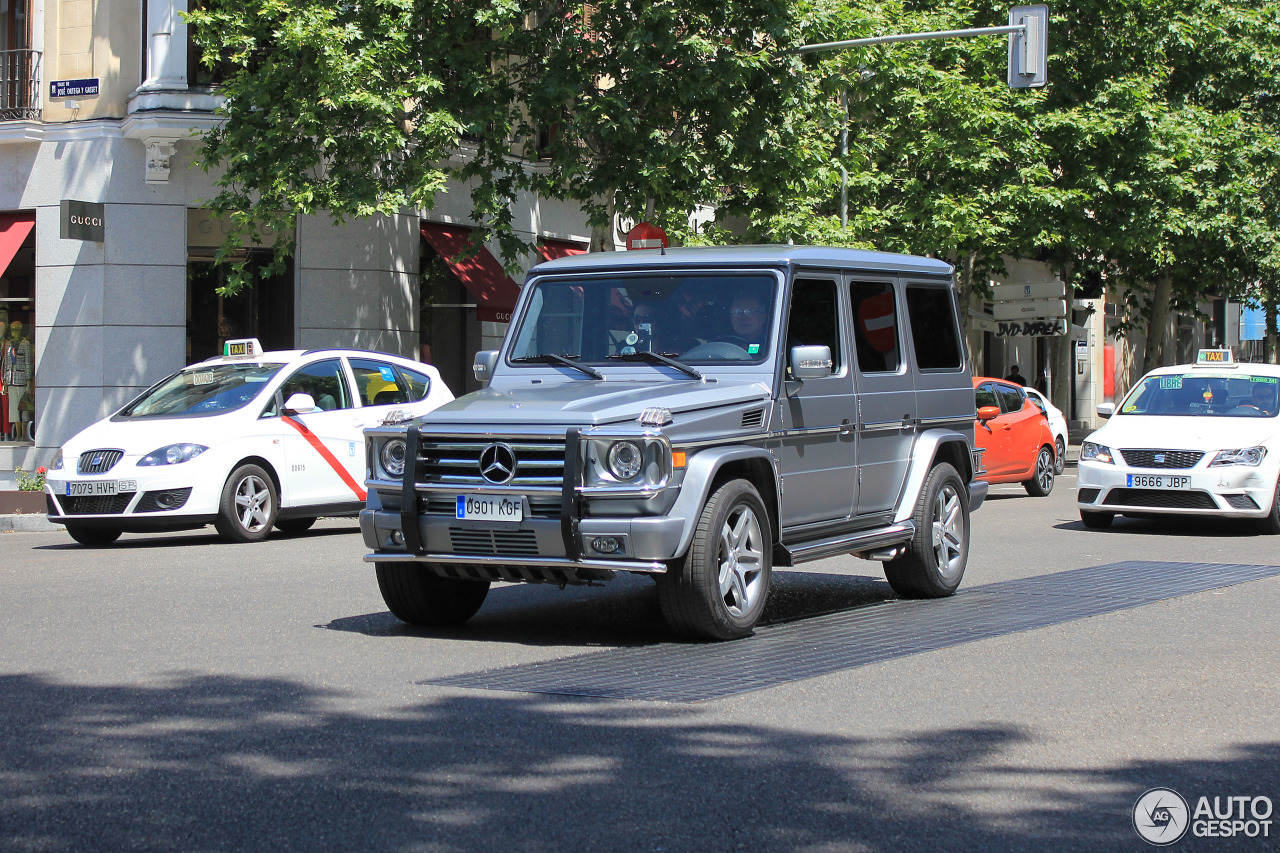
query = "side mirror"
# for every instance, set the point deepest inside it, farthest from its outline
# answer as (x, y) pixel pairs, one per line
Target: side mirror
(810, 362)
(299, 404)
(483, 364)
(986, 413)
(1106, 410)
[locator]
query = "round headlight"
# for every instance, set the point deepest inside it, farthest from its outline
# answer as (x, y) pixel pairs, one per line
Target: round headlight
(392, 457)
(625, 460)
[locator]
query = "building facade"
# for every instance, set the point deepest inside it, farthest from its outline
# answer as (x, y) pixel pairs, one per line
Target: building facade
(107, 279)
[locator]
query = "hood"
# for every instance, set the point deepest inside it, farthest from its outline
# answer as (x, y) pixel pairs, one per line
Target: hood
(592, 402)
(1184, 433)
(137, 436)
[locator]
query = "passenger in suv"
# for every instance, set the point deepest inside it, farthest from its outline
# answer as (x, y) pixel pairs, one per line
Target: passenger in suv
(841, 424)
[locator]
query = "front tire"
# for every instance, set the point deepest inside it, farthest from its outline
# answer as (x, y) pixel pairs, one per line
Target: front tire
(416, 596)
(1271, 524)
(1041, 482)
(934, 561)
(248, 507)
(294, 526)
(1096, 520)
(94, 537)
(718, 591)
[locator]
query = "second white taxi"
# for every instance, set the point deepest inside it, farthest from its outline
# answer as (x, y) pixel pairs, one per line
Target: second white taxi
(1192, 439)
(247, 441)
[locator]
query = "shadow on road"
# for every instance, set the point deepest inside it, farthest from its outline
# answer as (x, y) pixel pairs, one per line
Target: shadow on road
(221, 764)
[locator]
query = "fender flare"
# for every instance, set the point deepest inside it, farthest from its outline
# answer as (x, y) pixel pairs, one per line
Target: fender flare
(923, 456)
(701, 472)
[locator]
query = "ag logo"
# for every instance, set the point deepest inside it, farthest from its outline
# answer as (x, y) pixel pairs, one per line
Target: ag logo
(1161, 816)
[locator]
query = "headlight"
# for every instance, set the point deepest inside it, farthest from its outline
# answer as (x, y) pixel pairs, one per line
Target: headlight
(56, 464)
(625, 460)
(1251, 456)
(391, 457)
(1090, 452)
(173, 454)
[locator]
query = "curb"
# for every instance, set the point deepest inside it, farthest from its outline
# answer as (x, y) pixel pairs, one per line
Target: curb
(27, 524)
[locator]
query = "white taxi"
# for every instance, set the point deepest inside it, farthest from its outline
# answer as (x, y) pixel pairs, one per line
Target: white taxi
(245, 441)
(1193, 439)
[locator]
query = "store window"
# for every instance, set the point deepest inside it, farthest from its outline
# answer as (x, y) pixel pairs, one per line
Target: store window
(262, 310)
(17, 328)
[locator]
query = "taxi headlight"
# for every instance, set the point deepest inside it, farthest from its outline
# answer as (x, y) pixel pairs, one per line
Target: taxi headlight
(1251, 456)
(391, 457)
(1091, 452)
(625, 460)
(56, 464)
(172, 454)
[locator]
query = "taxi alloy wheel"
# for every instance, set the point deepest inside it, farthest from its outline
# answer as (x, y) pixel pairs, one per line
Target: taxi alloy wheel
(1059, 456)
(248, 507)
(1041, 483)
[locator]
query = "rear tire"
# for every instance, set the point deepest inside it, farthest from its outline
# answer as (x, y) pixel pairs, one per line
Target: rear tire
(718, 591)
(1096, 520)
(248, 507)
(1041, 482)
(934, 561)
(416, 596)
(94, 537)
(294, 526)
(1059, 456)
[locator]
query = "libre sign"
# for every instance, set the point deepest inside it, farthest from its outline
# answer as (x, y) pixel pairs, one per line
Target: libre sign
(82, 220)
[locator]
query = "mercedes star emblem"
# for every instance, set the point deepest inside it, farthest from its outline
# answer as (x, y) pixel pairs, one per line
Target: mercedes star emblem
(497, 463)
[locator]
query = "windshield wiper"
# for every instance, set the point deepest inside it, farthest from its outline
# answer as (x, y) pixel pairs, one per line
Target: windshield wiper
(552, 358)
(657, 358)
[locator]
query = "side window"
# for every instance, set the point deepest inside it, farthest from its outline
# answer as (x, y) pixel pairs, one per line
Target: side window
(933, 327)
(419, 383)
(1011, 398)
(324, 381)
(379, 383)
(985, 395)
(875, 326)
(815, 317)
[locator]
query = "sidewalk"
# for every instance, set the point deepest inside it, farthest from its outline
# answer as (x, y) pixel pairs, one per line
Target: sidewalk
(27, 523)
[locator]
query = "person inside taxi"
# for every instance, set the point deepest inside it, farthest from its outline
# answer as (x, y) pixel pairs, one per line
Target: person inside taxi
(1262, 399)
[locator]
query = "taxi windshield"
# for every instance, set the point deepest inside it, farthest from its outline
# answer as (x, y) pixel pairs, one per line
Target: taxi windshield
(1200, 394)
(695, 318)
(203, 390)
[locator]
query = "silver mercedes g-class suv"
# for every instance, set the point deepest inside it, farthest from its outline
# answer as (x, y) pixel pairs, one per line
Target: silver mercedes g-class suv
(697, 415)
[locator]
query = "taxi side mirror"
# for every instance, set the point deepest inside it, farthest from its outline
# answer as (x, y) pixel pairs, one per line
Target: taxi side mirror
(1106, 410)
(299, 404)
(986, 413)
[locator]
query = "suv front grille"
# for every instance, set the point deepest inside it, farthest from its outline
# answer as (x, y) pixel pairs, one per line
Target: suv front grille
(455, 461)
(1140, 458)
(98, 461)
(493, 543)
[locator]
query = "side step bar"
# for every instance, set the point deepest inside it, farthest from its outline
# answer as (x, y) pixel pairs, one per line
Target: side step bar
(870, 540)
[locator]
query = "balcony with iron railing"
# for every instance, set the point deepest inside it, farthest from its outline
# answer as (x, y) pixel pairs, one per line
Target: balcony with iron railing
(19, 85)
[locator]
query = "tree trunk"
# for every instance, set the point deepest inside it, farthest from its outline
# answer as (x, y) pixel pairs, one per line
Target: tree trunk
(602, 235)
(1269, 335)
(1156, 324)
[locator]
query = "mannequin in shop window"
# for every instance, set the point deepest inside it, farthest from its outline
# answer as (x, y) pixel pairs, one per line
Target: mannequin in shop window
(16, 377)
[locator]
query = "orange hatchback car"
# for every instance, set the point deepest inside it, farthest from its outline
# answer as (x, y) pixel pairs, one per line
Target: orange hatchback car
(1015, 434)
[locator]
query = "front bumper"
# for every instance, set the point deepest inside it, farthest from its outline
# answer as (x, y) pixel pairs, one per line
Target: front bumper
(1230, 491)
(142, 499)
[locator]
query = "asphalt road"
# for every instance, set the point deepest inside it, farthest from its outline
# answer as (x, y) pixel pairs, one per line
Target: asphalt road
(177, 693)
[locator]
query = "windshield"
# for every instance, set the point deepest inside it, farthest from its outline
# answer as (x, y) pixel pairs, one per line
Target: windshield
(697, 319)
(1215, 395)
(203, 390)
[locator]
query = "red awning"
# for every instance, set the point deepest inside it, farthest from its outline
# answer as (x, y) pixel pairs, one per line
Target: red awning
(14, 228)
(484, 278)
(552, 249)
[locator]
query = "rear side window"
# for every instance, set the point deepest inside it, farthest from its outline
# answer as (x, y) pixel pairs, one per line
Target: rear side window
(875, 326)
(1011, 398)
(933, 327)
(419, 383)
(379, 383)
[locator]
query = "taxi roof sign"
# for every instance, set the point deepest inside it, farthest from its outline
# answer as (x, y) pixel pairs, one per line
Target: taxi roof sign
(1215, 357)
(242, 348)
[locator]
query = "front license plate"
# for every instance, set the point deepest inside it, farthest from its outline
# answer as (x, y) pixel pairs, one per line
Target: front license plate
(94, 488)
(1159, 481)
(496, 508)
